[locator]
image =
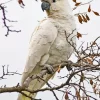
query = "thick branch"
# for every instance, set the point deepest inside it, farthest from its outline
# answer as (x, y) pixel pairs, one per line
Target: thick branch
(84, 67)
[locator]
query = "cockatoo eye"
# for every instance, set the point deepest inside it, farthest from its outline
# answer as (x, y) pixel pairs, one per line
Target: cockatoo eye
(54, 0)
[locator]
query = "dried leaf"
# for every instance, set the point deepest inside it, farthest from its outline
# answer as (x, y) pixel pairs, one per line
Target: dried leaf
(89, 9)
(79, 35)
(77, 95)
(91, 56)
(59, 68)
(77, 4)
(95, 91)
(96, 13)
(94, 86)
(89, 60)
(87, 17)
(80, 19)
(94, 43)
(21, 2)
(74, 1)
(84, 19)
(91, 82)
(66, 96)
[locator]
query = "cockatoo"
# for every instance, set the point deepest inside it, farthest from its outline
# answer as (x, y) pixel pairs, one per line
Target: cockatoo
(48, 43)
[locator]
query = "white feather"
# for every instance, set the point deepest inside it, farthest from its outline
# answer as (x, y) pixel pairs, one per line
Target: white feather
(48, 43)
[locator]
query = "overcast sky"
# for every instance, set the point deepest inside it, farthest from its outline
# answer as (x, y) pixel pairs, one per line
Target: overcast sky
(13, 49)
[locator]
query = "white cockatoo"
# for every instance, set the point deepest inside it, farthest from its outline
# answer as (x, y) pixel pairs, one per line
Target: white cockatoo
(48, 43)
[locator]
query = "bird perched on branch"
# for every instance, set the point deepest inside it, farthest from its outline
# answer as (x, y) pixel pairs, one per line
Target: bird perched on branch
(48, 44)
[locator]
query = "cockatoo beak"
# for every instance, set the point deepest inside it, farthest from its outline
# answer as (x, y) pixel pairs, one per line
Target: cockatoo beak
(45, 5)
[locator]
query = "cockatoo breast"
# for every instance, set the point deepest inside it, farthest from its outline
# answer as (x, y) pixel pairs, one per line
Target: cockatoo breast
(61, 50)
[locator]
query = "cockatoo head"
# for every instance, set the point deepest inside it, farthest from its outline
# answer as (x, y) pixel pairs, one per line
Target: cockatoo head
(54, 7)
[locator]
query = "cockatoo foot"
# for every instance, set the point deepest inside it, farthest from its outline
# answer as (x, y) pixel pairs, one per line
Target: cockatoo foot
(69, 65)
(49, 68)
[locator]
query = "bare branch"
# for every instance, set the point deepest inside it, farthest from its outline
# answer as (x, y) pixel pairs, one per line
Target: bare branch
(2, 8)
(6, 72)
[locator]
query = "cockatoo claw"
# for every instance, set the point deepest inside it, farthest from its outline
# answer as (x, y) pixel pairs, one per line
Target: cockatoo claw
(69, 65)
(49, 68)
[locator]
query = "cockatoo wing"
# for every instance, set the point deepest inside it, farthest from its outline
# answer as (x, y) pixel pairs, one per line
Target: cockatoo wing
(40, 44)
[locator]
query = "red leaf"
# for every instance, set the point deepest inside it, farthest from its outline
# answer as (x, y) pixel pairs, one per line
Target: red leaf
(94, 43)
(80, 19)
(84, 19)
(79, 35)
(89, 9)
(77, 4)
(59, 68)
(66, 96)
(89, 60)
(91, 82)
(74, 1)
(96, 13)
(21, 2)
(87, 17)
(78, 95)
